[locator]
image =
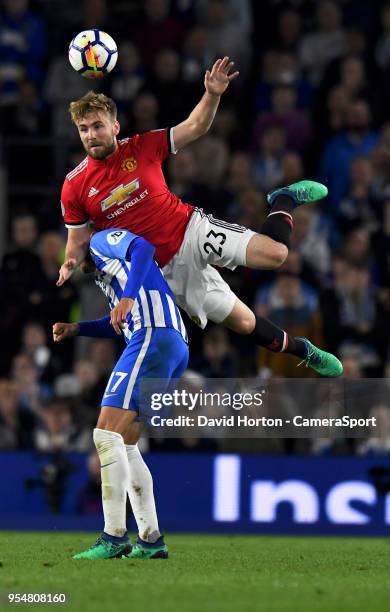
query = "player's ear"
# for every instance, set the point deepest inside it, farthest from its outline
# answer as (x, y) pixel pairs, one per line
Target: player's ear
(117, 127)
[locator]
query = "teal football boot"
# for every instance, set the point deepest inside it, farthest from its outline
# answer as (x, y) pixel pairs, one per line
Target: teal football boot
(106, 547)
(145, 550)
(303, 192)
(321, 362)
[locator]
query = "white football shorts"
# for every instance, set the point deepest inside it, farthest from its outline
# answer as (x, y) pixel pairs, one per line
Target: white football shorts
(198, 287)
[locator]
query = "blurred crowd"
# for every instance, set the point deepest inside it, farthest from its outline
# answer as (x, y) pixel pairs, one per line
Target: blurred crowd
(311, 101)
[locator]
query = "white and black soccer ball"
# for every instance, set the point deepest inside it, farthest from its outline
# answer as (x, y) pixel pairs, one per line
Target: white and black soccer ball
(93, 53)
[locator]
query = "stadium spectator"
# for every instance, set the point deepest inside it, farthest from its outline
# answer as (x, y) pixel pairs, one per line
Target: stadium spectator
(218, 359)
(22, 48)
(353, 363)
(381, 246)
(356, 139)
(378, 443)
(292, 168)
(289, 31)
(326, 441)
(91, 390)
(127, 80)
(31, 392)
(196, 55)
(268, 157)
(329, 116)
(227, 126)
(66, 386)
(145, 111)
(281, 69)
(310, 240)
(353, 312)
(183, 177)
(359, 206)
(238, 10)
(20, 267)
(297, 266)
(240, 172)
(293, 306)
(46, 302)
(356, 49)
(226, 35)
(353, 78)
(102, 357)
(325, 43)
(61, 85)
(16, 424)
(157, 30)
(337, 103)
(166, 78)
(35, 345)
(382, 49)
(212, 156)
(56, 430)
(26, 116)
(90, 14)
(20, 262)
(284, 112)
(249, 209)
(356, 247)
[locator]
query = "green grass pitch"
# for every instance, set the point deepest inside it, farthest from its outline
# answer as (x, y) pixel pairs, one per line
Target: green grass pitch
(203, 573)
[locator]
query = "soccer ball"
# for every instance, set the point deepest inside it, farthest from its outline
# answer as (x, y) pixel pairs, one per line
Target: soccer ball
(93, 53)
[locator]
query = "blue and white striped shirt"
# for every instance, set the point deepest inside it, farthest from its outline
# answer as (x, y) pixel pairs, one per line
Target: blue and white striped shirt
(154, 305)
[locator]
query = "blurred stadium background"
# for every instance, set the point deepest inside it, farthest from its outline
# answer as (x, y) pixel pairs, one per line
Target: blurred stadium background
(312, 101)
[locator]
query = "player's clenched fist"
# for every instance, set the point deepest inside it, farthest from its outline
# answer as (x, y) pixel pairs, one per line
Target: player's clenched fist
(119, 314)
(62, 331)
(66, 271)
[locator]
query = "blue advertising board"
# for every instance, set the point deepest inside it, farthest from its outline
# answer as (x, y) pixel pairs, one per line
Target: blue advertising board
(223, 493)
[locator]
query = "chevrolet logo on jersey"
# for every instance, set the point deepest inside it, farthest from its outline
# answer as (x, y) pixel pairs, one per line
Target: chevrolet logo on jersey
(120, 194)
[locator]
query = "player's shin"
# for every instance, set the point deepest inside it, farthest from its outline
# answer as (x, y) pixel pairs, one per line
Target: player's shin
(273, 338)
(115, 476)
(140, 490)
(279, 223)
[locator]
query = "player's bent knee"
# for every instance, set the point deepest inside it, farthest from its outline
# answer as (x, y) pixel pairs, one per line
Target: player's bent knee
(133, 433)
(117, 420)
(245, 324)
(279, 254)
(248, 324)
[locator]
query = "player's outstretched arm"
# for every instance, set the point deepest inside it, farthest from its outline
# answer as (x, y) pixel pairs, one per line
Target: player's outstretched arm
(63, 331)
(75, 252)
(97, 328)
(200, 119)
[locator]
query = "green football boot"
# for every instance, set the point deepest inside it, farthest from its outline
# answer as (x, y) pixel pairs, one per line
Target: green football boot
(106, 547)
(303, 192)
(321, 362)
(144, 550)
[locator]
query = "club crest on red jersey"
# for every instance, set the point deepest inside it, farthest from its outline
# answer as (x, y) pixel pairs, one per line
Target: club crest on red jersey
(129, 164)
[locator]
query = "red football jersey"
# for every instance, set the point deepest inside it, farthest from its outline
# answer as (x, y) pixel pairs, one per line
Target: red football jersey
(128, 190)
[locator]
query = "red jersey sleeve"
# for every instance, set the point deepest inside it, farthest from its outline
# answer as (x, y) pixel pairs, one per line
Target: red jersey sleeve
(157, 144)
(73, 213)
